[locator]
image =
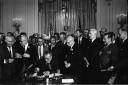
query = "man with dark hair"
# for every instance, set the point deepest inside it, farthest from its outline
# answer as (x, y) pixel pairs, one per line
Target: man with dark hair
(47, 65)
(85, 33)
(122, 75)
(103, 31)
(108, 57)
(61, 51)
(57, 37)
(82, 42)
(73, 55)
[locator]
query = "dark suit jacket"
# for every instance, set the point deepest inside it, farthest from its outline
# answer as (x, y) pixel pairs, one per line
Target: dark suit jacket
(92, 54)
(45, 67)
(61, 54)
(83, 45)
(54, 51)
(74, 57)
(31, 50)
(109, 56)
(9, 69)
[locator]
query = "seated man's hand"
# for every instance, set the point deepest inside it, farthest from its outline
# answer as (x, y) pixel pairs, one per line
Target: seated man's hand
(67, 65)
(46, 73)
(37, 69)
(26, 55)
(34, 74)
(110, 68)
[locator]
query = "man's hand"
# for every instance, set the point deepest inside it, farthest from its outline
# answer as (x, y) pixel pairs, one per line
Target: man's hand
(46, 73)
(10, 60)
(37, 69)
(67, 65)
(26, 55)
(110, 68)
(18, 55)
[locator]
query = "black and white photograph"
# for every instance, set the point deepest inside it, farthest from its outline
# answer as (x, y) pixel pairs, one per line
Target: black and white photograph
(63, 42)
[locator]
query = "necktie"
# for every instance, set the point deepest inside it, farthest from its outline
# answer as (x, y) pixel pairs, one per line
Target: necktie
(24, 49)
(39, 51)
(10, 51)
(78, 41)
(49, 66)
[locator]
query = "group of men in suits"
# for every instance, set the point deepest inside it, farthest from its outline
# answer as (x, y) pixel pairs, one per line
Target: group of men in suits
(90, 59)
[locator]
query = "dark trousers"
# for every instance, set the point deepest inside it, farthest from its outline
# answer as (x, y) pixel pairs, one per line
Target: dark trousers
(8, 72)
(0, 71)
(122, 77)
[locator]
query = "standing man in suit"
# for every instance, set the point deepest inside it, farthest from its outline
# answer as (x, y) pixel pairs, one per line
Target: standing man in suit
(92, 56)
(108, 58)
(9, 59)
(1, 60)
(28, 54)
(61, 51)
(81, 41)
(73, 61)
(122, 75)
(41, 48)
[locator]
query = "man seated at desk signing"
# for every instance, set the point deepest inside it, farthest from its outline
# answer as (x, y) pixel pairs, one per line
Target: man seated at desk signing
(47, 65)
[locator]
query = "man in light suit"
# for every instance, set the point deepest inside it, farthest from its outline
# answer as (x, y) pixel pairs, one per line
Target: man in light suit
(108, 58)
(27, 54)
(122, 74)
(41, 47)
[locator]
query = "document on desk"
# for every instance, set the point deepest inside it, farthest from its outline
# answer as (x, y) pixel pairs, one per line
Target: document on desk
(67, 80)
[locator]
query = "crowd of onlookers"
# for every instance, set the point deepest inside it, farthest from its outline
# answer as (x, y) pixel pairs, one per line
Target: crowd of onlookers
(90, 58)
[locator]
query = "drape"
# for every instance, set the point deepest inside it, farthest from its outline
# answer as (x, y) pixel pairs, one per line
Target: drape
(66, 15)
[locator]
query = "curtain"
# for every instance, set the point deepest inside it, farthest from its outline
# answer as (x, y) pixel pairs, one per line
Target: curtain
(0, 15)
(66, 15)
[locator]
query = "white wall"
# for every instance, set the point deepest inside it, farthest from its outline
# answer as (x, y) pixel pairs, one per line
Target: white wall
(26, 9)
(107, 15)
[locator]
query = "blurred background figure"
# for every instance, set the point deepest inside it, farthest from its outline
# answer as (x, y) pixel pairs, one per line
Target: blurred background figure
(2, 38)
(85, 33)
(102, 31)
